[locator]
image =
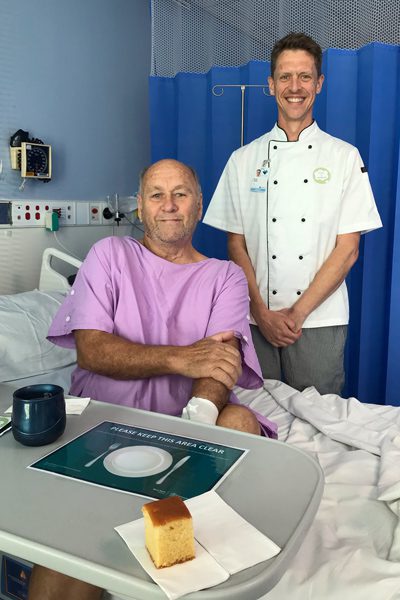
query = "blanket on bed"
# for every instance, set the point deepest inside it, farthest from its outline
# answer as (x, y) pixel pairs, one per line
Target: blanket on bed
(352, 550)
(24, 350)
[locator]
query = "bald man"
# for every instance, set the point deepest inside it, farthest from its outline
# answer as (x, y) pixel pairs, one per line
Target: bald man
(158, 326)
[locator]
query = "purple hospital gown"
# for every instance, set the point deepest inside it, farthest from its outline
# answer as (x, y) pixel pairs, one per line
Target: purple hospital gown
(124, 289)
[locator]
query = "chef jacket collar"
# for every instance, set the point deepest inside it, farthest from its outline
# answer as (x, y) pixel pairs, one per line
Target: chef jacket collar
(280, 135)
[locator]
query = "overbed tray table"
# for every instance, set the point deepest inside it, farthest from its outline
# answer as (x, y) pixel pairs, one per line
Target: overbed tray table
(68, 525)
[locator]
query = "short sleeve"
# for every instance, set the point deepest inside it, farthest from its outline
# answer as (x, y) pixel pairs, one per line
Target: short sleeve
(231, 311)
(89, 304)
(358, 208)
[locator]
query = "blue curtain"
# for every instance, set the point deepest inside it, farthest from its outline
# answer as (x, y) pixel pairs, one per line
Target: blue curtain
(359, 103)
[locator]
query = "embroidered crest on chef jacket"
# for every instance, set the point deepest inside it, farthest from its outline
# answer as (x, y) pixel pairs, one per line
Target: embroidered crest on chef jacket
(321, 175)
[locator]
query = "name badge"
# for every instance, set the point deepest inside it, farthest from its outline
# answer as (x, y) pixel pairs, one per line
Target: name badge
(260, 181)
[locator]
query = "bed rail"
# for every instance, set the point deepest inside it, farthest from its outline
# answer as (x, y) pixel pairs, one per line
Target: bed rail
(50, 279)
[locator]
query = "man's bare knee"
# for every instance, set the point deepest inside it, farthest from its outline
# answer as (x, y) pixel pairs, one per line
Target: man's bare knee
(235, 416)
(45, 584)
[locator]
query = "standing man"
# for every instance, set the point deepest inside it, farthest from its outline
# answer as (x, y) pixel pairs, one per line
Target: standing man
(294, 203)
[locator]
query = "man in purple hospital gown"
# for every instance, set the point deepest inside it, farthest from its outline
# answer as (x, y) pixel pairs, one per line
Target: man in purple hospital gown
(158, 326)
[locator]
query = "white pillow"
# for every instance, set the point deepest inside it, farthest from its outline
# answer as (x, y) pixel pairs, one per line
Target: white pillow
(24, 322)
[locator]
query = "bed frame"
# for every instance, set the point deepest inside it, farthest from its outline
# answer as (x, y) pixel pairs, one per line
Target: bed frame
(50, 279)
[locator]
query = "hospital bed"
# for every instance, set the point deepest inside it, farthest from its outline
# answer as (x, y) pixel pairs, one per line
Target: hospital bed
(25, 354)
(352, 550)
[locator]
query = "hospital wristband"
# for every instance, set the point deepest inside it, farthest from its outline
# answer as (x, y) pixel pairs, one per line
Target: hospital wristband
(200, 410)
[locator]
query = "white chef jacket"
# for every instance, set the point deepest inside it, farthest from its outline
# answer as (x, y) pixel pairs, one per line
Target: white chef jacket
(290, 200)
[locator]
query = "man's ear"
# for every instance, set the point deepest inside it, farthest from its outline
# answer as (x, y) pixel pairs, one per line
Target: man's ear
(319, 83)
(200, 206)
(271, 86)
(140, 206)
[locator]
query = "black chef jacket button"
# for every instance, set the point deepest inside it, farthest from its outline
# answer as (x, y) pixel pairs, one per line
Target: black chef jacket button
(275, 147)
(274, 220)
(274, 292)
(274, 256)
(275, 182)
(306, 181)
(303, 220)
(300, 257)
(309, 147)
(298, 293)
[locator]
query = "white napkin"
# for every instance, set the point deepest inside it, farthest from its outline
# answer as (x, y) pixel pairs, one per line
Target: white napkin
(73, 405)
(230, 539)
(178, 580)
(228, 544)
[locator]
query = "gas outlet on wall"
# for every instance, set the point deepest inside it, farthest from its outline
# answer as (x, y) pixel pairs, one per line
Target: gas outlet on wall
(95, 213)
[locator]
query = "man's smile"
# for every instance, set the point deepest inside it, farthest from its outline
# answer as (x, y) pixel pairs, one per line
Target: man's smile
(174, 220)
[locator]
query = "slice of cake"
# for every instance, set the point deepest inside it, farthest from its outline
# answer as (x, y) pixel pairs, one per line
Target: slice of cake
(168, 531)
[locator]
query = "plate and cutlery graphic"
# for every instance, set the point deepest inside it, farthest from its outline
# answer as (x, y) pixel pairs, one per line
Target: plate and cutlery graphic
(138, 461)
(111, 447)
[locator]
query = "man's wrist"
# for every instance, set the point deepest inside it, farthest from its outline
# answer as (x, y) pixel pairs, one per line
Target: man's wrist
(258, 310)
(200, 410)
(175, 359)
(298, 314)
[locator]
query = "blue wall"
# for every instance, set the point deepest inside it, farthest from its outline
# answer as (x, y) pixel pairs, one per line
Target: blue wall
(74, 73)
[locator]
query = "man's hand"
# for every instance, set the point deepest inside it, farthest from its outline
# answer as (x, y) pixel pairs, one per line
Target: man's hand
(278, 327)
(295, 317)
(213, 357)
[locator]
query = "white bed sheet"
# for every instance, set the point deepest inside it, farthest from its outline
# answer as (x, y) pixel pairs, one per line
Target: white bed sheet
(26, 356)
(352, 550)
(24, 350)
(61, 376)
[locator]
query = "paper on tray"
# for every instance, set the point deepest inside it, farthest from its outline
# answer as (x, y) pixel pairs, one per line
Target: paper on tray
(231, 540)
(228, 544)
(178, 580)
(73, 405)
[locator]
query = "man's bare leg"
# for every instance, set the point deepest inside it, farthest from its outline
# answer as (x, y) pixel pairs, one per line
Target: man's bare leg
(46, 584)
(235, 416)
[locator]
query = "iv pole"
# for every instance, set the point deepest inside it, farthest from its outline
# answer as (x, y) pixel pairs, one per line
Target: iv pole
(242, 87)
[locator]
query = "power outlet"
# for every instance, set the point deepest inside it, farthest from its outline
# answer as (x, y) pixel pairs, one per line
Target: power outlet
(66, 213)
(32, 213)
(29, 213)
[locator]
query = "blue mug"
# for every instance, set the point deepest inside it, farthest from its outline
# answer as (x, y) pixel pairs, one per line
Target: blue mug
(38, 414)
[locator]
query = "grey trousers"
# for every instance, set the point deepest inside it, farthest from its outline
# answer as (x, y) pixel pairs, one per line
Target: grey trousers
(316, 359)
